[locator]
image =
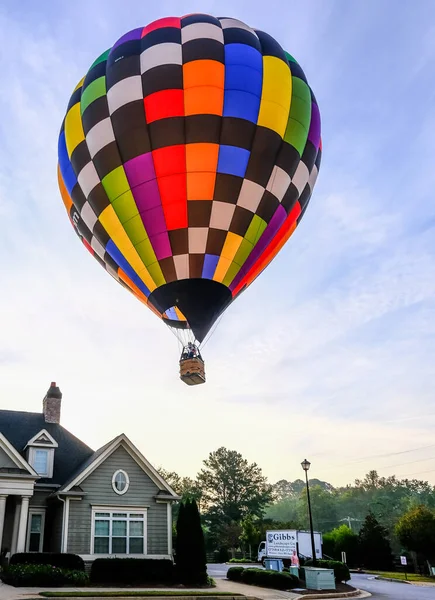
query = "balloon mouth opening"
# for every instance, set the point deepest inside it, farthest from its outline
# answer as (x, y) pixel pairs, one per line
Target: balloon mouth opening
(199, 301)
(175, 318)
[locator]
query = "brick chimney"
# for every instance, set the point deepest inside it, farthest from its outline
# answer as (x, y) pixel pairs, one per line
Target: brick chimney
(52, 403)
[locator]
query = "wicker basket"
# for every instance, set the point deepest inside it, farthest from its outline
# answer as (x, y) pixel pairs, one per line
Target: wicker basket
(192, 371)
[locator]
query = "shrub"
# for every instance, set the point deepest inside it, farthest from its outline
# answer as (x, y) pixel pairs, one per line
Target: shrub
(235, 573)
(72, 562)
(341, 539)
(241, 561)
(263, 578)
(341, 571)
(28, 575)
(131, 571)
(191, 560)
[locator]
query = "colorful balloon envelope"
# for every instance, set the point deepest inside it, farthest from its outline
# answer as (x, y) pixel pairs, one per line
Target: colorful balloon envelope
(187, 158)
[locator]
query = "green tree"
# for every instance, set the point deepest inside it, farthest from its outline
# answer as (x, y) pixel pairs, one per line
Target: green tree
(283, 489)
(228, 535)
(231, 487)
(250, 534)
(374, 545)
(323, 505)
(416, 531)
(186, 487)
(341, 539)
(190, 548)
(283, 510)
(181, 538)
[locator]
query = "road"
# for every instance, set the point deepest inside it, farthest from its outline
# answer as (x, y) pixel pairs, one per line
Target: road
(388, 590)
(380, 590)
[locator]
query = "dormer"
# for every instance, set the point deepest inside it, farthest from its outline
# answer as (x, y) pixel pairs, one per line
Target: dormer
(40, 453)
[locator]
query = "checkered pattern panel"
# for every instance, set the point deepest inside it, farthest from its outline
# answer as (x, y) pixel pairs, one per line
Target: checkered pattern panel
(189, 150)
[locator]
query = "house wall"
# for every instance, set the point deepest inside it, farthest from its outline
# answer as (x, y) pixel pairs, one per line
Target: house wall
(5, 461)
(99, 491)
(39, 498)
(53, 527)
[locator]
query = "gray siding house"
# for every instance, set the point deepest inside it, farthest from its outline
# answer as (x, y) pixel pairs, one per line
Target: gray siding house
(58, 495)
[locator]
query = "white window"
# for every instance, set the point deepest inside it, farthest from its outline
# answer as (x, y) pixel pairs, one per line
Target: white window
(119, 532)
(35, 530)
(120, 482)
(41, 459)
(40, 453)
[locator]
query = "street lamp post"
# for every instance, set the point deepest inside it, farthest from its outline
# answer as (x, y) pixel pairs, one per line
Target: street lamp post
(306, 465)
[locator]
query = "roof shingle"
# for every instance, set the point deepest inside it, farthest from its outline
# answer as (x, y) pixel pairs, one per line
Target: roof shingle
(19, 427)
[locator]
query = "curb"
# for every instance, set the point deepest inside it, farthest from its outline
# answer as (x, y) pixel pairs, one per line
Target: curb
(392, 579)
(355, 594)
(251, 564)
(73, 596)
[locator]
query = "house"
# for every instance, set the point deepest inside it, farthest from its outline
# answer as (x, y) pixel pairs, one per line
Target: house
(58, 495)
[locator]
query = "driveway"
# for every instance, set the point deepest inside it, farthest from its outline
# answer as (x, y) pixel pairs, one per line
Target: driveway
(388, 590)
(218, 571)
(380, 590)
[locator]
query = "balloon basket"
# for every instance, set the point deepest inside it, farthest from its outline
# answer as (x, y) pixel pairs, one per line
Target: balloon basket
(192, 371)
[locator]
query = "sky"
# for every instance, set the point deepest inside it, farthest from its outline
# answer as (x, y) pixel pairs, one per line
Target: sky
(329, 355)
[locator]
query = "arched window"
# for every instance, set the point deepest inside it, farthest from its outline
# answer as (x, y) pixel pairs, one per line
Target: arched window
(120, 482)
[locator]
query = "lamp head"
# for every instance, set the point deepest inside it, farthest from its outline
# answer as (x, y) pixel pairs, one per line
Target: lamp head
(305, 465)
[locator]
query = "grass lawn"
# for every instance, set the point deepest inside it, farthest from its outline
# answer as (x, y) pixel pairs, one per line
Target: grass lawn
(133, 594)
(411, 576)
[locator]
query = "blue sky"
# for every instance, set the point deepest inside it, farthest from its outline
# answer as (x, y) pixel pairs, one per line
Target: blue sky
(330, 353)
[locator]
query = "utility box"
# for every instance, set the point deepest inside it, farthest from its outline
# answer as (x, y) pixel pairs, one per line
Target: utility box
(294, 570)
(273, 564)
(319, 579)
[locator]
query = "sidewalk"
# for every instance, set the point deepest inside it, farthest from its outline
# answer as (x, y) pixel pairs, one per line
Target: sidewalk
(222, 585)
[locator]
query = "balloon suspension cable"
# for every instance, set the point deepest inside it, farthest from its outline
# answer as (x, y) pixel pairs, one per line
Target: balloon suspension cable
(184, 337)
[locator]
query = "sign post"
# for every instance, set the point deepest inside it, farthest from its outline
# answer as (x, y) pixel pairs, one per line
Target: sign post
(343, 557)
(404, 562)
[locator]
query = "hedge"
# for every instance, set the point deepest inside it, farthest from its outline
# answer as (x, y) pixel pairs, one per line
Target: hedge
(132, 571)
(263, 578)
(341, 571)
(72, 562)
(27, 575)
(240, 561)
(235, 573)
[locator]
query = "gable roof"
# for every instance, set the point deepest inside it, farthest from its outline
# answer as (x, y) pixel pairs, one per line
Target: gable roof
(104, 452)
(43, 439)
(15, 456)
(19, 427)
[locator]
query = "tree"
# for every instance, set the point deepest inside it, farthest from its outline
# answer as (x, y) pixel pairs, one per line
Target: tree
(186, 487)
(250, 533)
(283, 489)
(324, 508)
(181, 551)
(232, 488)
(283, 510)
(416, 531)
(229, 535)
(374, 545)
(341, 539)
(191, 558)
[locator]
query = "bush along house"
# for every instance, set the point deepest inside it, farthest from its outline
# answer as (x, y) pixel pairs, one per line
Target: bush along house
(58, 495)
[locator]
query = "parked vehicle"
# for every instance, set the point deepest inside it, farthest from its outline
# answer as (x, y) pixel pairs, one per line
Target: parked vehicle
(282, 544)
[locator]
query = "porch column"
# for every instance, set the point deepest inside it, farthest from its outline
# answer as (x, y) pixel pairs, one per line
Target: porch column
(15, 526)
(2, 516)
(22, 526)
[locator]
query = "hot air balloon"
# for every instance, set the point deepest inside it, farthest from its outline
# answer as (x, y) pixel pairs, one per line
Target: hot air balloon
(186, 159)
